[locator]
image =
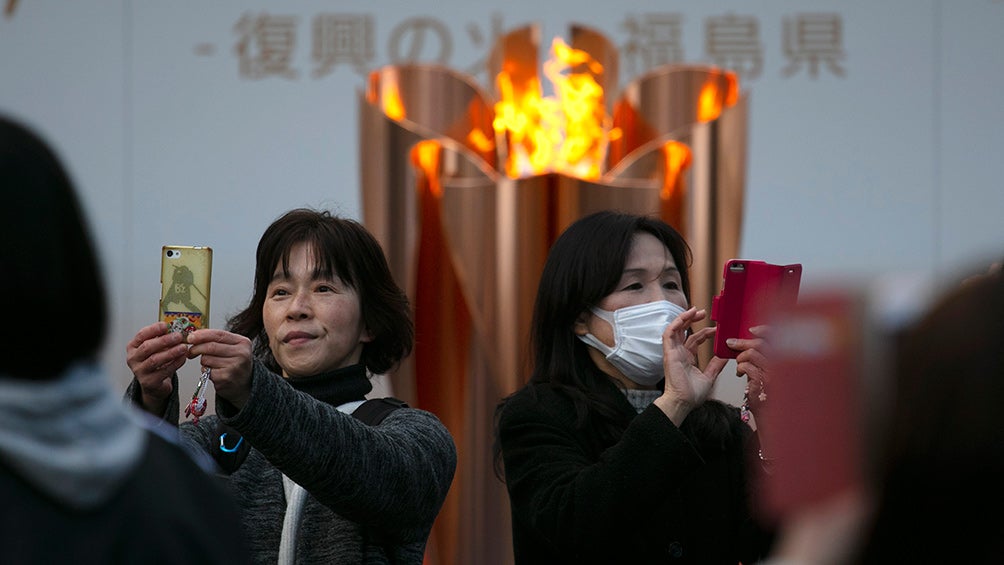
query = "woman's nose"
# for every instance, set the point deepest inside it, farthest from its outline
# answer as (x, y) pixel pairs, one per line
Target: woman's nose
(299, 306)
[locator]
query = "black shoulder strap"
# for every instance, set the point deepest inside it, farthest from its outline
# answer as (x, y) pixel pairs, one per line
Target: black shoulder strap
(231, 449)
(374, 410)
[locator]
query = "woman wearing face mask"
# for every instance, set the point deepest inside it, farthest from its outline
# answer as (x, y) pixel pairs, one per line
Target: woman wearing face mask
(613, 452)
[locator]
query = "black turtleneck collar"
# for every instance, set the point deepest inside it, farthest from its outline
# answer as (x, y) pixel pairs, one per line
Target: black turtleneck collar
(336, 387)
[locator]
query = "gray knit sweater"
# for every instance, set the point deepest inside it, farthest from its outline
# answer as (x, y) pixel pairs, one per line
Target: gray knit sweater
(374, 491)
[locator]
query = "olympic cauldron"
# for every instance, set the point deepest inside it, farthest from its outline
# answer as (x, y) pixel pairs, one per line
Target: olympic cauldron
(466, 192)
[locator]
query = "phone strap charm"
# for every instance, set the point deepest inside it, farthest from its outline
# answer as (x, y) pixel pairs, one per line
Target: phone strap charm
(744, 411)
(197, 407)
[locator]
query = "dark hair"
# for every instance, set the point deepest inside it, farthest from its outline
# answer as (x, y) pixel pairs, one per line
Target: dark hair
(51, 270)
(583, 266)
(343, 247)
(942, 452)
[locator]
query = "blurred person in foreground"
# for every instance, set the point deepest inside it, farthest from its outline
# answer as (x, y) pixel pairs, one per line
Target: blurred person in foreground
(923, 457)
(940, 483)
(81, 479)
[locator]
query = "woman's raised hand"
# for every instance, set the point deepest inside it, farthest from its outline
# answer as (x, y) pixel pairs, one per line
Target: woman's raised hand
(229, 357)
(153, 356)
(687, 385)
(752, 363)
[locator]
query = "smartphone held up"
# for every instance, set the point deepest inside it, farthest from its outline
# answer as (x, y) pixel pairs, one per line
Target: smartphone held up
(185, 279)
(751, 292)
(186, 274)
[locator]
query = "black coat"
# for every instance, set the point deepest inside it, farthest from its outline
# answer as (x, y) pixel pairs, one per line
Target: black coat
(653, 494)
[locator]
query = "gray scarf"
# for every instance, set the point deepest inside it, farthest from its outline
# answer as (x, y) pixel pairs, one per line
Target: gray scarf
(70, 437)
(640, 399)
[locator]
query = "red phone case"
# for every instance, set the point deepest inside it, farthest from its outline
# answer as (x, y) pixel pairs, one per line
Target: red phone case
(751, 291)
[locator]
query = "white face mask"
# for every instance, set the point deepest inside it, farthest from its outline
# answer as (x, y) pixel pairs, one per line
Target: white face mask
(637, 350)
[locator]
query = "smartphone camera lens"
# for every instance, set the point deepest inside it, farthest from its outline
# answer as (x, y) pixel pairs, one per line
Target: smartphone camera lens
(170, 254)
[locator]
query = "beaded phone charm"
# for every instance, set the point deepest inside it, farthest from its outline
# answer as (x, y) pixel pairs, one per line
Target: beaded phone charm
(197, 407)
(744, 411)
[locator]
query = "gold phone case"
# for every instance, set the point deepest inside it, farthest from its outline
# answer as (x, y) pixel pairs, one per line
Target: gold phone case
(185, 278)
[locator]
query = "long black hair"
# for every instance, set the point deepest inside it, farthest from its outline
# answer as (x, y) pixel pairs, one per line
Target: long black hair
(583, 266)
(342, 247)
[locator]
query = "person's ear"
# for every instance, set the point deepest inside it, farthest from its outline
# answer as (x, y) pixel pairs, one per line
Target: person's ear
(581, 326)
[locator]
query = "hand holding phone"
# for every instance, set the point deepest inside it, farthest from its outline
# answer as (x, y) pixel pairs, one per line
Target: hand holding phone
(185, 279)
(751, 292)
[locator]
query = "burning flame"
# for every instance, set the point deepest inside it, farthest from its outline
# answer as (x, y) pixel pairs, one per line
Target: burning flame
(676, 159)
(567, 133)
(712, 101)
(388, 97)
(425, 156)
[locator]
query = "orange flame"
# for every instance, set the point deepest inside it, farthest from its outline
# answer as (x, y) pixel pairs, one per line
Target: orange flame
(677, 157)
(425, 157)
(711, 101)
(479, 140)
(567, 133)
(389, 94)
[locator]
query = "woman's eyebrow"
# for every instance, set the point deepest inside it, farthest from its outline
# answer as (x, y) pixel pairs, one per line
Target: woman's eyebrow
(640, 270)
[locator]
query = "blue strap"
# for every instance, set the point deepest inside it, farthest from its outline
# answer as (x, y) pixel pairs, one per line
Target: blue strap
(225, 449)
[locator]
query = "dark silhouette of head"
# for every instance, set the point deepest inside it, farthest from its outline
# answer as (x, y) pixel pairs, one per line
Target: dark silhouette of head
(51, 284)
